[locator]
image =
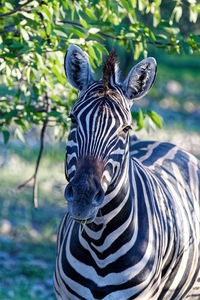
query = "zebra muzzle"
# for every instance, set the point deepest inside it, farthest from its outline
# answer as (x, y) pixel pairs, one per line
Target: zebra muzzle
(84, 195)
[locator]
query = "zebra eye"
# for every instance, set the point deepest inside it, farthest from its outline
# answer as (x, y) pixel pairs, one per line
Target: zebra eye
(126, 128)
(73, 119)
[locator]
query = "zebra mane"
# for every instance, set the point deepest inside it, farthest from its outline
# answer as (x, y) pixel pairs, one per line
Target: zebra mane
(110, 71)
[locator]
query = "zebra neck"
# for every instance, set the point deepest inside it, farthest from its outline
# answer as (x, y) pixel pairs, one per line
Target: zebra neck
(116, 198)
(116, 213)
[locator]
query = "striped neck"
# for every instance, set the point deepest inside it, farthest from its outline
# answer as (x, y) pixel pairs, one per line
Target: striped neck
(115, 198)
(114, 220)
(125, 227)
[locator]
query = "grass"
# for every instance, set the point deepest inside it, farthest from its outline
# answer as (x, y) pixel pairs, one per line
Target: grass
(26, 270)
(28, 236)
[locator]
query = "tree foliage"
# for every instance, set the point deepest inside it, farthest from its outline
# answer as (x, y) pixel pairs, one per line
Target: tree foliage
(36, 33)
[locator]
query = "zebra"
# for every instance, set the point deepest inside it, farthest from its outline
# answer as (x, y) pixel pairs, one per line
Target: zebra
(132, 225)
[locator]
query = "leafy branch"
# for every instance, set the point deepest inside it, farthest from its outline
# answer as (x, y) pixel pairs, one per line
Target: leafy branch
(115, 37)
(15, 10)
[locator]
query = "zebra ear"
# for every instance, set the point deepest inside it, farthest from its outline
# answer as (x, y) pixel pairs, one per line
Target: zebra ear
(140, 79)
(77, 68)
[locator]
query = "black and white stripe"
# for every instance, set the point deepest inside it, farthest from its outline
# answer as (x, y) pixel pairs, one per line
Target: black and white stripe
(143, 241)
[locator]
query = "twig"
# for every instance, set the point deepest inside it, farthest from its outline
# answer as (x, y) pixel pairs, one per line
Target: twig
(34, 176)
(70, 23)
(15, 10)
(25, 183)
(42, 135)
(5, 100)
(35, 189)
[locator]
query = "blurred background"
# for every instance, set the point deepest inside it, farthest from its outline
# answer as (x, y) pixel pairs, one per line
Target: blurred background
(28, 235)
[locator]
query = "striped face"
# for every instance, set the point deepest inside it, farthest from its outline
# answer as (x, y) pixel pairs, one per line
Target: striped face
(97, 147)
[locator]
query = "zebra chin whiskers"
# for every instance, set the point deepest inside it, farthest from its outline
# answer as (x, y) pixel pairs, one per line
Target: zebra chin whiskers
(83, 224)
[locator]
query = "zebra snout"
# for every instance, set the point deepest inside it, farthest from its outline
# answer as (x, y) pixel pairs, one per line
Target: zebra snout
(97, 199)
(83, 200)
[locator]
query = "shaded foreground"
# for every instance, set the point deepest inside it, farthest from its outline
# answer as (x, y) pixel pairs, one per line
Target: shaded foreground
(28, 236)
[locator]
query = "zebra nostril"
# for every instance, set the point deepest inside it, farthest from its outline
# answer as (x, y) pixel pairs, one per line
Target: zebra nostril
(98, 199)
(115, 170)
(69, 192)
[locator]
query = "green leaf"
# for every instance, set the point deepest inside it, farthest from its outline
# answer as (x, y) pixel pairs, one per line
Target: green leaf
(29, 74)
(24, 34)
(192, 1)
(156, 17)
(83, 22)
(76, 41)
(2, 66)
(18, 134)
(157, 2)
(125, 4)
(90, 14)
(28, 15)
(193, 13)
(79, 32)
(47, 12)
(100, 48)
(137, 51)
(40, 62)
(48, 28)
(178, 13)
(55, 113)
(134, 3)
(142, 5)
(134, 115)
(186, 48)
(140, 120)
(6, 135)
(93, 30)
(91, 52)
(11, 114)
(155, 118)
(108, 4)
(9, 6)
(152, 35)
(21, 123)
(61, 33)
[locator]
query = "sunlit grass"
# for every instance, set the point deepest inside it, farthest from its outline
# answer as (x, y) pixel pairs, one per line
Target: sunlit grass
(27, 235)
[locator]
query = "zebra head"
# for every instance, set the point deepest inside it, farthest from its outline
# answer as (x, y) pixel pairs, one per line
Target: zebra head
(97, 147)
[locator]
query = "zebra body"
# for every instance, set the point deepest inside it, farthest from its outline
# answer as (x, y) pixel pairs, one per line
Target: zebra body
(136, 234)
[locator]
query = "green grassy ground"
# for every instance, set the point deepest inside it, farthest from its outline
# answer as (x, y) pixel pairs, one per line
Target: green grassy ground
(28, 236)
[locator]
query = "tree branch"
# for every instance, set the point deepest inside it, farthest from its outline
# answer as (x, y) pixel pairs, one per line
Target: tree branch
(15, 10)
(35, 189)
(42, 135)
(113, 36)
(34, 176)
(25, 183)
(70, 23)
